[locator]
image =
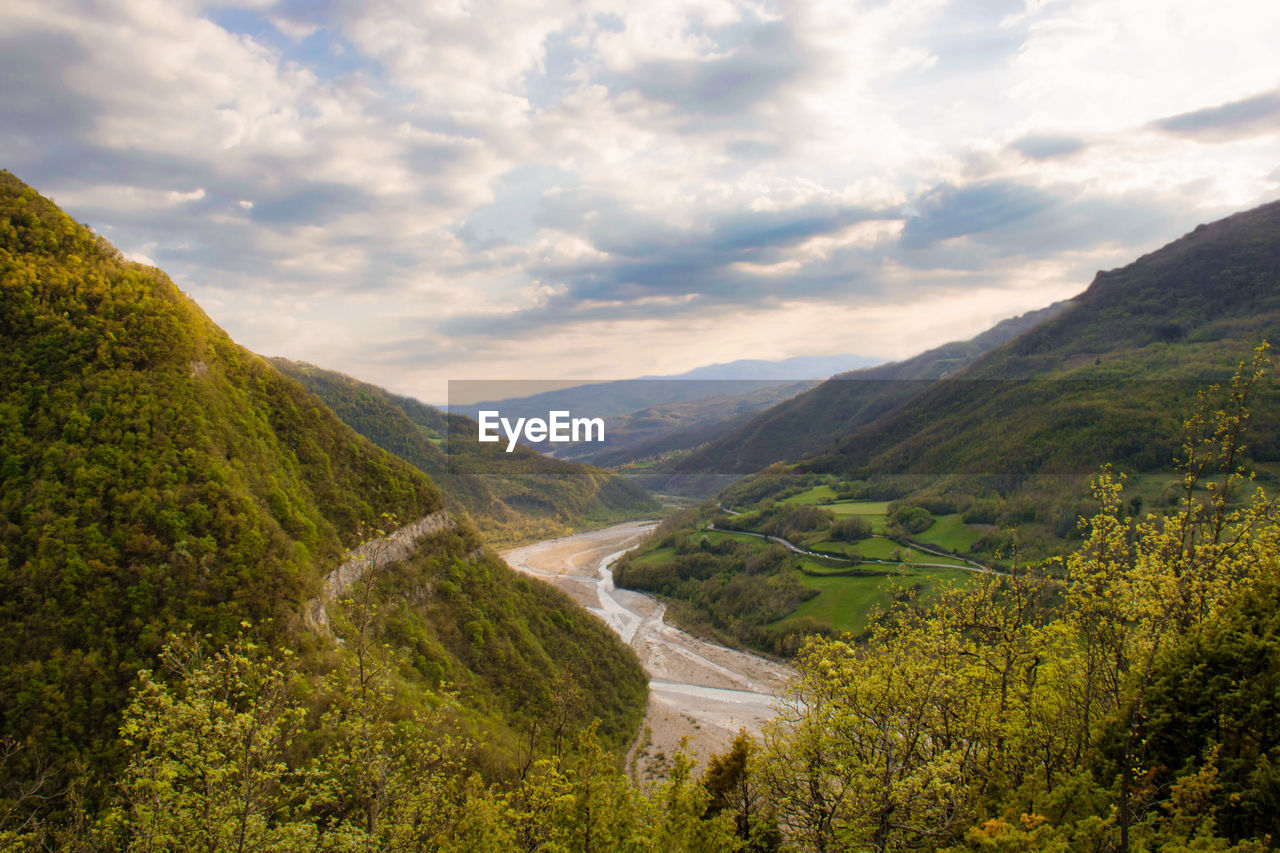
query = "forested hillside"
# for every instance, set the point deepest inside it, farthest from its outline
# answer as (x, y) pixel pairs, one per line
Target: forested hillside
(1106, 380)
(816, 420)
(512, 496)
(157, 479)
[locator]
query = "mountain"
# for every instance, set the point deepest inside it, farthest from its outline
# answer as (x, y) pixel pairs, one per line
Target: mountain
(626, 396)
(157, 478)
(609, 399)
(654, 416)
(798, 367)
(1109, 379)
(815, 420)
(657, 431)
(979, 457)
(512, 496)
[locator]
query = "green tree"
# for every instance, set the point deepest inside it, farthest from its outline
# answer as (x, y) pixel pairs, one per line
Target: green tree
(208, 768)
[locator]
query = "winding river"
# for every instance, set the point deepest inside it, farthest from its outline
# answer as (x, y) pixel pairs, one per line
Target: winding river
(697, 690)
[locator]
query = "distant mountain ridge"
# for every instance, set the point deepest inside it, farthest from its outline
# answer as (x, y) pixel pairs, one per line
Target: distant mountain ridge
(652, 416)
(516, 496)
(797, 367)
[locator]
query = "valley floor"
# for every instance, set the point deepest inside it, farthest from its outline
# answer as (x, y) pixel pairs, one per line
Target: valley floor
(697, 690)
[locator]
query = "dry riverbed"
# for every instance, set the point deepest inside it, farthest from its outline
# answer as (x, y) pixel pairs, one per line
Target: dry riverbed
(698, 690)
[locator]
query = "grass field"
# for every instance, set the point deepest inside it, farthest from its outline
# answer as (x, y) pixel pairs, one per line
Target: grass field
(845, 603)
(715, 537)
(875, 512)
(950, 532)
(812, 496)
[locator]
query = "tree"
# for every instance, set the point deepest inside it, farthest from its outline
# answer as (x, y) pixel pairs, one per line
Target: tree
(208, 768)
(734, 785)
(852, 529)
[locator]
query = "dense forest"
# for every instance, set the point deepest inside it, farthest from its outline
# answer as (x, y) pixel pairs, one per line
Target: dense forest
(1123, 701)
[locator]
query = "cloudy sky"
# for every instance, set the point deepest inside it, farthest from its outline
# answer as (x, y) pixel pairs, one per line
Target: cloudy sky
(412, 191)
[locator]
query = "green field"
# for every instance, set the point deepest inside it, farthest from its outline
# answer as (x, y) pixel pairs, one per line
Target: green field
(950, 532)
(875, 512)
(845, 603)
(715, 537)
(812, 496)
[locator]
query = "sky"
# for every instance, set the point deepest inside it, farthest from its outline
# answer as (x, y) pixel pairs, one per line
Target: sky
(412, 191)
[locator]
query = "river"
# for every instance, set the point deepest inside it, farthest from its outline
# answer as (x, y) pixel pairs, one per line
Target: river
(697, 690)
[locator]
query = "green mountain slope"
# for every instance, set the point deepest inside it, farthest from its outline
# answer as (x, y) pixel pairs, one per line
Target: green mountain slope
(1108, 380)
(511, 496)
(814, 421)
(155, 477)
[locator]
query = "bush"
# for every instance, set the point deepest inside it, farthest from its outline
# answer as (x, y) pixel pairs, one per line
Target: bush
(796, 520)
(853, 529)
(981, 511)
(910, 518)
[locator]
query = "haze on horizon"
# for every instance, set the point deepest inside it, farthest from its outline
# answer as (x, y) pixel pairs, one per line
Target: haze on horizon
(412, 192)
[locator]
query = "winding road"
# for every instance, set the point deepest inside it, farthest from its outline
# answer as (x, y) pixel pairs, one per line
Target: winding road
(697, 690)
(970, 565)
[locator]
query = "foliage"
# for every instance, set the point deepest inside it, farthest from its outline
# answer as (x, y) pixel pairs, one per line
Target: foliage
(909, 519)
(733, 784)
(1001, 720)
(852, 529)
(154, 475)
(733, 590)
(213, 766)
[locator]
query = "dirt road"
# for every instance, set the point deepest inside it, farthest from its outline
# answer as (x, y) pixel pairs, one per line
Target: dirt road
(697, 690)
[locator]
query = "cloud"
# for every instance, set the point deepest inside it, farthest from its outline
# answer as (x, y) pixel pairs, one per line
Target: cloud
(1253, 116)
(1046, 146)
(722, 83)
(949, 211)
(312, 203)
(996, 223)
(412, 187)
(35, 102)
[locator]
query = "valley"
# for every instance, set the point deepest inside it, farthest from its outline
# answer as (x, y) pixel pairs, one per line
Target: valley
(720, 427)
(699, 691)
(196, 539)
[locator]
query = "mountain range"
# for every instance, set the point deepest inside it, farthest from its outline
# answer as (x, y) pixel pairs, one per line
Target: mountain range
(1104, 377)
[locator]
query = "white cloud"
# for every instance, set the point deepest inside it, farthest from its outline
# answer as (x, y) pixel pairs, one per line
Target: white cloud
(349, 188)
